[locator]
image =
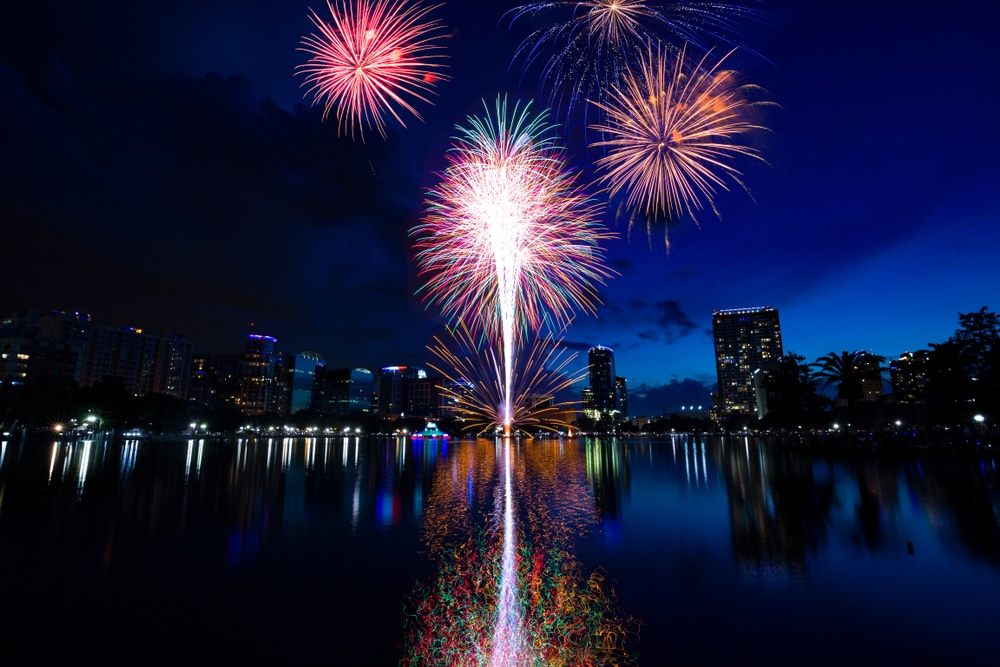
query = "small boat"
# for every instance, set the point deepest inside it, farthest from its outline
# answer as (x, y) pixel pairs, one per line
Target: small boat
(430, 431)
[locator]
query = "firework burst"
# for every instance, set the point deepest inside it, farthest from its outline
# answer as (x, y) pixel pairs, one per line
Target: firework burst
(671, 135)
(509, 241)
(474, 383)
(370, 60)
(508, 226)
(589, 49)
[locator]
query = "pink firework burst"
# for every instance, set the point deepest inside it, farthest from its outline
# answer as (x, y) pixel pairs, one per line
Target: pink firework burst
(371, 60)
(508, 232)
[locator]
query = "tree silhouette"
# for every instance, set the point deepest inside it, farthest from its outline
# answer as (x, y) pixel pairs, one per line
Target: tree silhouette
(846, 370)
(964, 371)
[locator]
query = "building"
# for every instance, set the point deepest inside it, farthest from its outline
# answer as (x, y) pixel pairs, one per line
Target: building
(745, 340)
(36, 344)
(215, 380)
(870, 373)
(301, 378)
(604, 397)
(68, 345)
(587, 399)
(621, 397)
(394, 389)
(909, 376)
(425, 397)
(343, 391)
(145, 363)
(259, 387)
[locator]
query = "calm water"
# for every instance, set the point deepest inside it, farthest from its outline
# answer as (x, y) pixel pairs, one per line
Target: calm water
(693, 551)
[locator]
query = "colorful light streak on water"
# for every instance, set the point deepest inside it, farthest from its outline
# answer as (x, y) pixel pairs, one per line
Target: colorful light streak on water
(508, 640)
(509, 589)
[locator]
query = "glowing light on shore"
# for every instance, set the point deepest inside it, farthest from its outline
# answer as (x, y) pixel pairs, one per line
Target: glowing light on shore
(370, 60)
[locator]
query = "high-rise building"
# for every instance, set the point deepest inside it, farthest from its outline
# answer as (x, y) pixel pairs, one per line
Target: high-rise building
(425, 397)
(343, 391)
(36, 344)
(621, 394)
(145, 363)
(604, 398)
(909, 376)
(302, 380)
(215, 380)
(587, 399)
(745, 340)
(394, 389)
(870, 372)
(259, 385)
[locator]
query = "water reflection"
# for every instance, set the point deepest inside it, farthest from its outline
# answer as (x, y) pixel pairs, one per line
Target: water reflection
(501, 523)
(683, 529)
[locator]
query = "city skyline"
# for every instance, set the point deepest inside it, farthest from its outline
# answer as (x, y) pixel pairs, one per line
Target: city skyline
(167, 187)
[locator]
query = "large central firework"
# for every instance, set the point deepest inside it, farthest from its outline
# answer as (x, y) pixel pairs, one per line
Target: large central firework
(510, 242)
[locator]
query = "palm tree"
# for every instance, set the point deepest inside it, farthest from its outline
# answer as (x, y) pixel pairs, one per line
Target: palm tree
(847, 370)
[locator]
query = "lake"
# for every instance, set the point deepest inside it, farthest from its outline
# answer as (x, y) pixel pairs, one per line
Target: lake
(355, 551)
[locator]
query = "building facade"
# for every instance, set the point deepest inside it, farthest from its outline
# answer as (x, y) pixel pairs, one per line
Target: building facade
(343, 391)
(260, 391)
(746, 339)
(145, 363)
(909, 376)
(301, 378)
(603, 401)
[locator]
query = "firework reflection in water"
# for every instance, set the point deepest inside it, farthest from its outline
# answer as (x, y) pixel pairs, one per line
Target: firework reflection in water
(565, 616)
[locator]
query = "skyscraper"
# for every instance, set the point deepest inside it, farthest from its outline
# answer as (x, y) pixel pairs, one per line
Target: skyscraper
(909, 375)
(302, 378)
(745, 340)
(259, 390)
(602, 382)
(394, 388)
(621, 397)
(344, 391)
(145, 363)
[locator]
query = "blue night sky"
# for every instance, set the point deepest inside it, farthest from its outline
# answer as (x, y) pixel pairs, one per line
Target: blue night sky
(161, 169)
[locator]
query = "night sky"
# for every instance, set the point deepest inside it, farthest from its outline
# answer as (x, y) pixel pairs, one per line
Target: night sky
(159, 168)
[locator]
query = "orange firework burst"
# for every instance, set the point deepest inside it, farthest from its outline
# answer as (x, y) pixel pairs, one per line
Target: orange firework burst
(371, 59)
(671, 135)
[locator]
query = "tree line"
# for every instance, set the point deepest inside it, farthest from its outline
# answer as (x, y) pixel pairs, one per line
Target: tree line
(955, 384)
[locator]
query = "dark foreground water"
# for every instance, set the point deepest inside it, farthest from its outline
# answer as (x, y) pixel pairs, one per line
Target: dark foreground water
(692, 551)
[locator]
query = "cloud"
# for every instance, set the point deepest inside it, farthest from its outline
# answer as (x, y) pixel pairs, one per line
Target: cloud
(674, 321)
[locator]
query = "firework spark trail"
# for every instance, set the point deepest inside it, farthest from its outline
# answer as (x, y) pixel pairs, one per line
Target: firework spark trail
(370, 58)
(475, 384)
(671, 134)
(508, 636)
(509, 241)
(591, 47)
